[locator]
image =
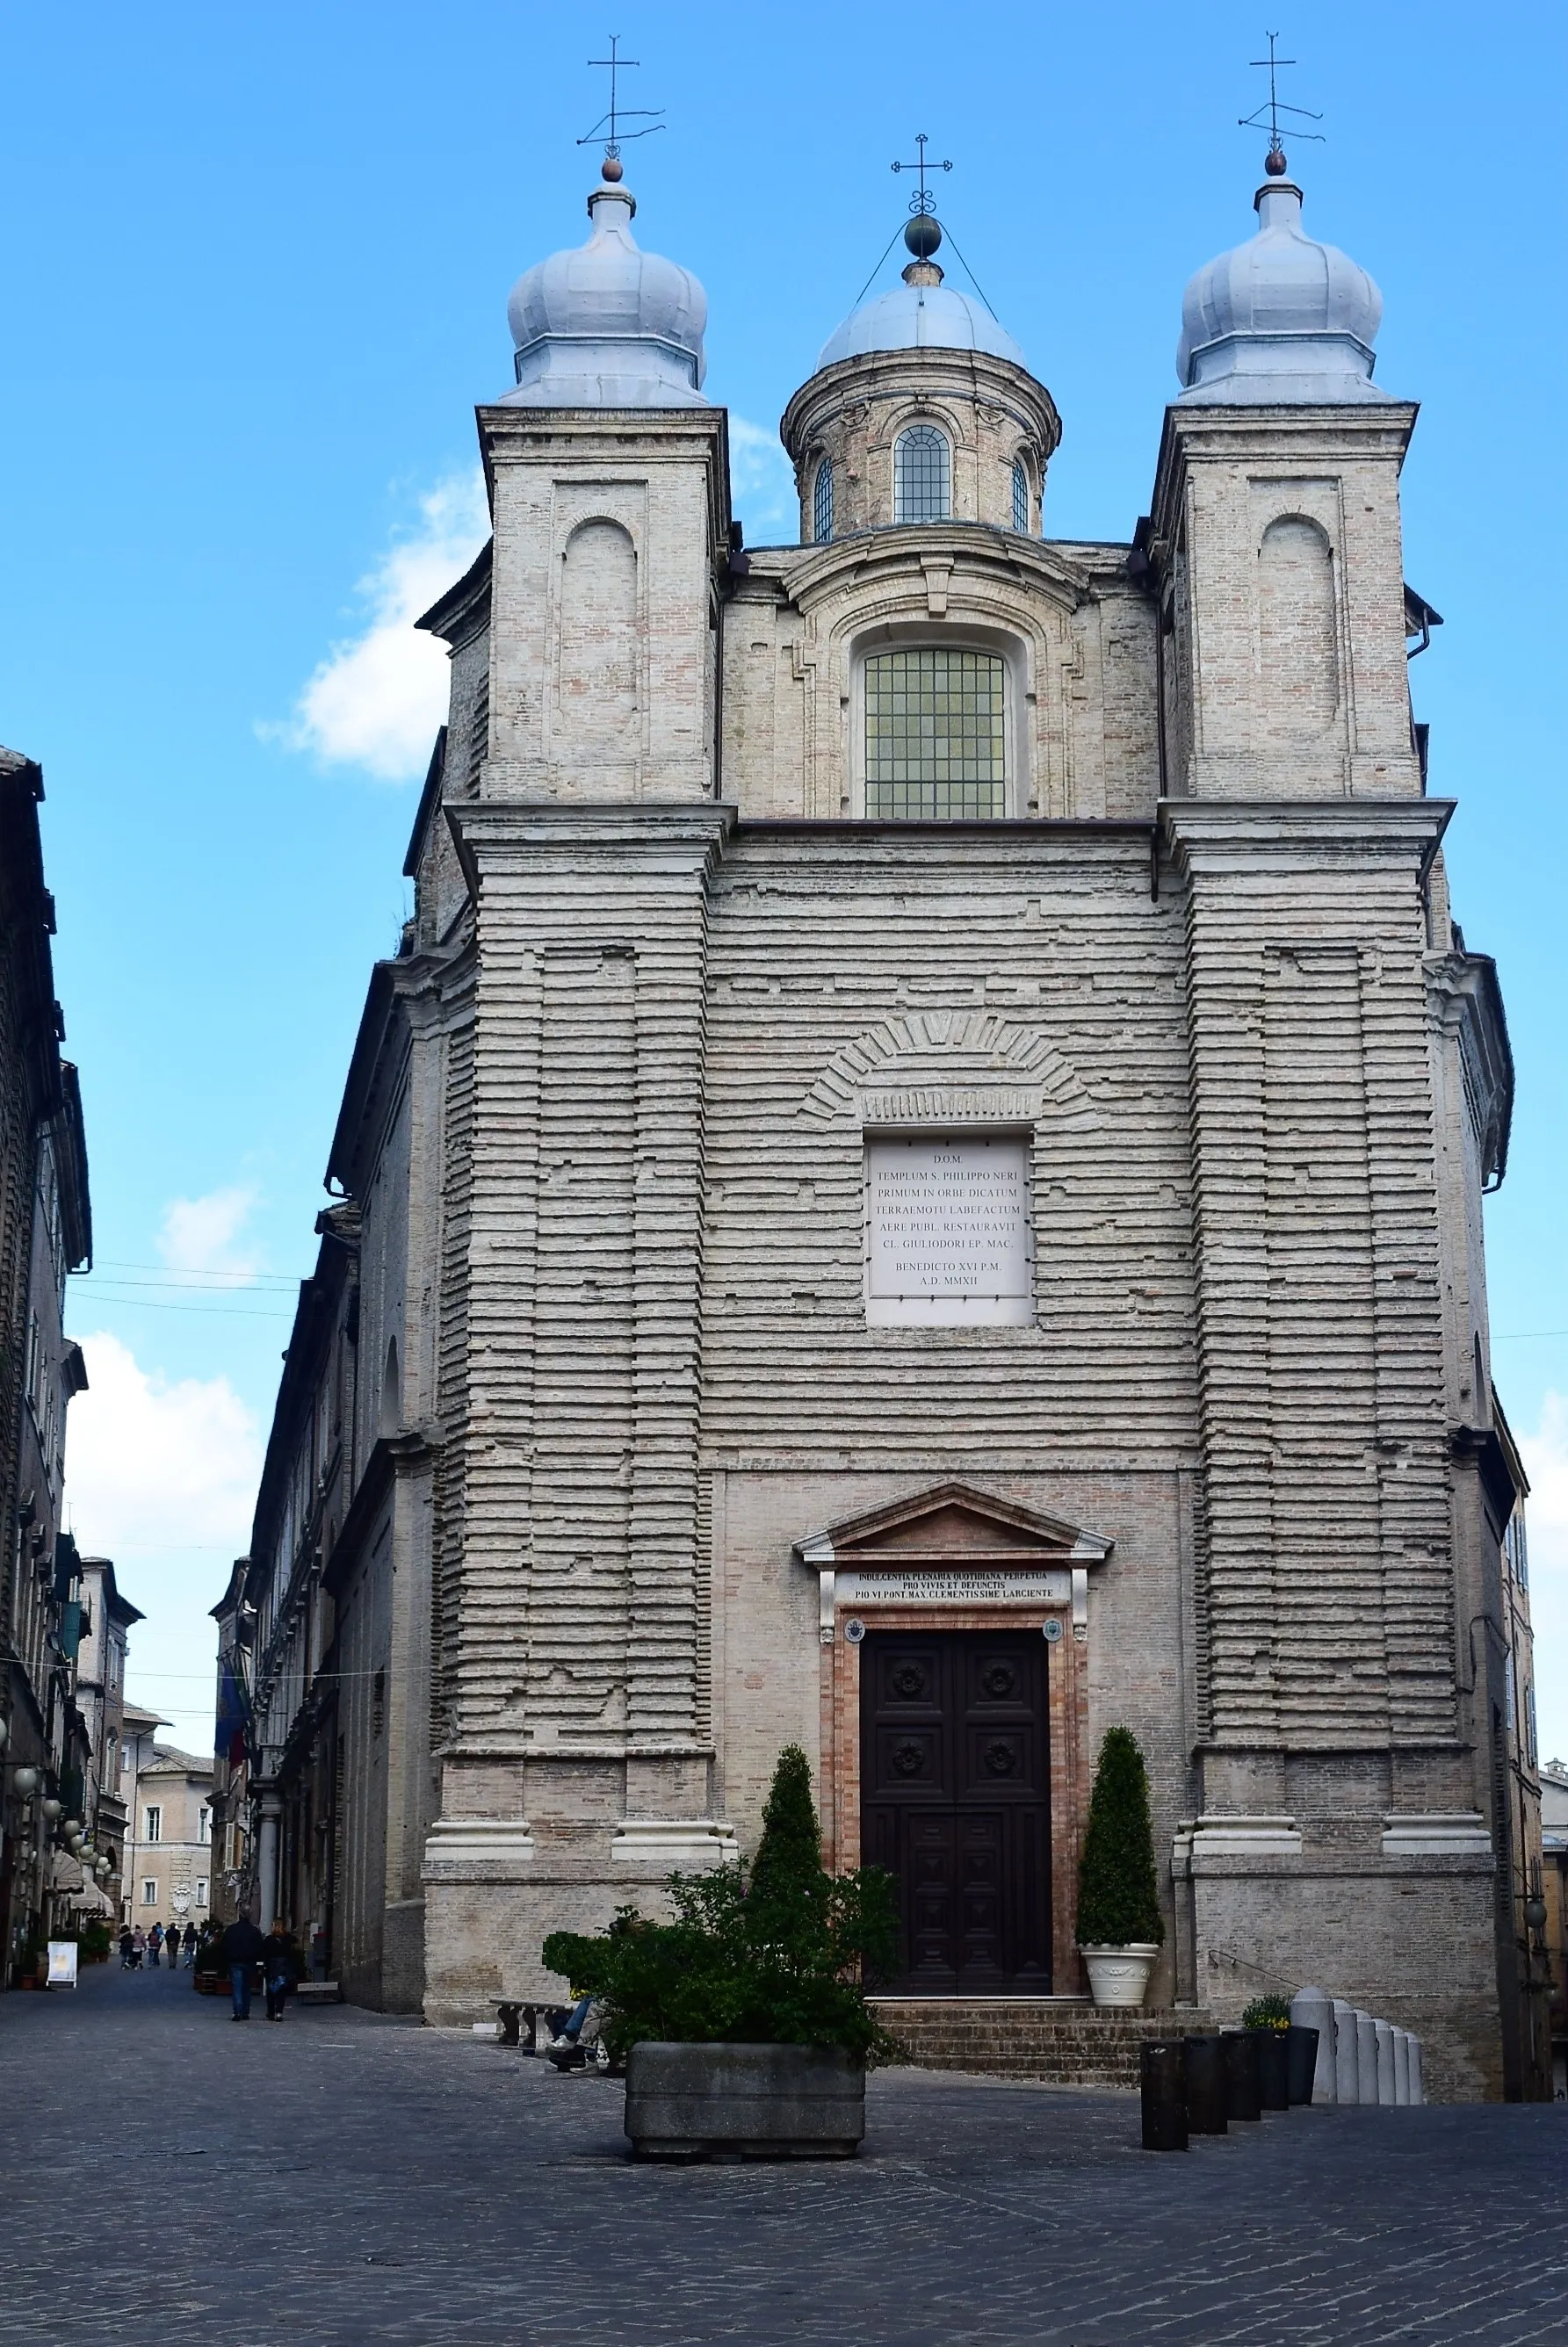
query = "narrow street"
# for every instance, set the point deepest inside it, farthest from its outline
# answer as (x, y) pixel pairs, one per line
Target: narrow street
(348, 2177)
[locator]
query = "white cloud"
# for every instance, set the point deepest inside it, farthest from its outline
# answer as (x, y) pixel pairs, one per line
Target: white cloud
(762, 485)
(377, 699)
(161, 1476)
(205, 1234)
(1545, 1456)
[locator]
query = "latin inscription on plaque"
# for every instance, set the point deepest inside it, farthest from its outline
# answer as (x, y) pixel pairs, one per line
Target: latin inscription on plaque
(1006, 1586)
(948, 1237)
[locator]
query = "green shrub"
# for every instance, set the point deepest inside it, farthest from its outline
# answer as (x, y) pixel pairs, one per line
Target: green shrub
(96, 1941)
(1267, 2012)
(1118, 1895)
(780, 1960)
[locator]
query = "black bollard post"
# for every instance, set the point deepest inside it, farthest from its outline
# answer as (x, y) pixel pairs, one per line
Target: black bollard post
(1205, 2085)
(1301, 2054)
(1272, 2069)
(1162, 2075)
(1243, 2098)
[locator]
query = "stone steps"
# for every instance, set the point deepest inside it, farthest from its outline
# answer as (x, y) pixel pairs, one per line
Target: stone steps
(1062, 2039)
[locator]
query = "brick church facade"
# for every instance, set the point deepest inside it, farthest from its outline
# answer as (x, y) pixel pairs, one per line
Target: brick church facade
(915, 1188)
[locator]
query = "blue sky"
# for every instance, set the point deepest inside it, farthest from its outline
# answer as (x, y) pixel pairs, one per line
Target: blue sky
(254, 270)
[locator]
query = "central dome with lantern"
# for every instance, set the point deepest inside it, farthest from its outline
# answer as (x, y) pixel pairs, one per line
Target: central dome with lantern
(921, 411)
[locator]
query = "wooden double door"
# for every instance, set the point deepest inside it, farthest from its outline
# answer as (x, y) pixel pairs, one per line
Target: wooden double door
(955, 1790)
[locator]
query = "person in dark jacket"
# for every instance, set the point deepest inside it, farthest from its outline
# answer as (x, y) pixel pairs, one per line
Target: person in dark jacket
(281, 1968)
(154, 1943)
(243, 1947)
(189, 1945)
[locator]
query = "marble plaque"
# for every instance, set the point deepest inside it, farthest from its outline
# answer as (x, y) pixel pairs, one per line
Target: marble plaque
(941, 1585)
(948, 1243)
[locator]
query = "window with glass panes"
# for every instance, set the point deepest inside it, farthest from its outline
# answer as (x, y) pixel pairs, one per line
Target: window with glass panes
(934, 734)
(921, 474)
(822, 503)
(1020, 496)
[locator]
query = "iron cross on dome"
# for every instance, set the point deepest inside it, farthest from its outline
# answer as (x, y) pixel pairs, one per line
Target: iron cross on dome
(923, 201)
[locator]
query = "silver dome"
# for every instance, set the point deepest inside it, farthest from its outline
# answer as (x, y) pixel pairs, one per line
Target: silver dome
(1280, 318)
(607, 324)
(919, 317)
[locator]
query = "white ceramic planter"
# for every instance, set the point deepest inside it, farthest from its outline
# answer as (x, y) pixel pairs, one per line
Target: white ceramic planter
(1119, 1977)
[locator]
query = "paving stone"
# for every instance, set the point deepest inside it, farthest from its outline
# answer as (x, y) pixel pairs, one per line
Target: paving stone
(348, 2177)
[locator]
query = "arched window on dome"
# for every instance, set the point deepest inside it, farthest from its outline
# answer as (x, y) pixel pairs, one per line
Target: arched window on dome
(822, 503)
(1020, 496)
(922, 474)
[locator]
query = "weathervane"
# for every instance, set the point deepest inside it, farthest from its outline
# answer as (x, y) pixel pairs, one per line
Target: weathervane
(1273, 161)
(923, 201)
(612, 140)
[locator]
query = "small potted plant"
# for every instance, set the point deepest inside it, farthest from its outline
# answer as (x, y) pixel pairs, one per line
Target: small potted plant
(743, 2023)
(1120, 1927)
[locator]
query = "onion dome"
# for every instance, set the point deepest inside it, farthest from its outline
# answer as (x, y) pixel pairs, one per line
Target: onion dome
(607, 324)
(922, 313)
(1280, 318)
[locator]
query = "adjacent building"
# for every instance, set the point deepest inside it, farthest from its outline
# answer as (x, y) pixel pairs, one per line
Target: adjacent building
(167, 1877)
(46, 1232)
(99, 1696)
(916, 1186)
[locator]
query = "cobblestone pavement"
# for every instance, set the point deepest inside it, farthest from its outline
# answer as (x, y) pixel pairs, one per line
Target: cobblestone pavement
(348, 2177)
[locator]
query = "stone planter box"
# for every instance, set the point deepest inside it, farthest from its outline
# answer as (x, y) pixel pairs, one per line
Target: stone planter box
(743, 2101)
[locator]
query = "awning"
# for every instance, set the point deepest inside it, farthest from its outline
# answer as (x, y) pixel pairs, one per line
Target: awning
(64, 1872)
(91, 1901)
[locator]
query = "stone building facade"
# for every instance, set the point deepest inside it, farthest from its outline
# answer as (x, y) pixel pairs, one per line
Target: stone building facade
(45, 1231)
(916, 1187)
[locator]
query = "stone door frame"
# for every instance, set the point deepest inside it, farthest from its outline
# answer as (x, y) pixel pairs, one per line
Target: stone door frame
(956, 1558)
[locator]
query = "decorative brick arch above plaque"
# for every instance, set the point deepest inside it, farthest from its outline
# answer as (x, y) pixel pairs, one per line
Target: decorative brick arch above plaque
(950, 1067)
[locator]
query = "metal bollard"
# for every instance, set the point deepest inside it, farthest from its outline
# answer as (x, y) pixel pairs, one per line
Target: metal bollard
(1205, 2089)
(1161, 2078)
(1304, 2064)
(1244, 2096)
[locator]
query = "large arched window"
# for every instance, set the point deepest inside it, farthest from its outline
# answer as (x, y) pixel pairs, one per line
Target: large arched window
(936, 727)
(1020, 496)
(922, 474)
(822, 503)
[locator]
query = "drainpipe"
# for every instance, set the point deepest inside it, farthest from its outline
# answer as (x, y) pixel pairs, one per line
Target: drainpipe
(266, 1858)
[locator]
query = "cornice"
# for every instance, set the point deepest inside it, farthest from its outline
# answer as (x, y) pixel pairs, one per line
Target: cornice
(1219, 835)
(494, 833)
(810, 574)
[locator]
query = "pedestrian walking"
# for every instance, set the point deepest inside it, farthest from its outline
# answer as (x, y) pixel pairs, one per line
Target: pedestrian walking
(154, 1943)
(127, 1948)
(281, 1968)
(189, 1945)
(243, 1947)
(137, 1948)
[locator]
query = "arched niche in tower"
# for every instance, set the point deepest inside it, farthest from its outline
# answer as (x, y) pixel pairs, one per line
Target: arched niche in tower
(596, 670)
(1298, 632)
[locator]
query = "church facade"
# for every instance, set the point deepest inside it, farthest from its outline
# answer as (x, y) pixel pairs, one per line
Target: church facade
(915, 1188)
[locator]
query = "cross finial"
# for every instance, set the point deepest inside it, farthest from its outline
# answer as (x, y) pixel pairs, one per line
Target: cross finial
(1274, 107)
(923, 201)
(612, 137)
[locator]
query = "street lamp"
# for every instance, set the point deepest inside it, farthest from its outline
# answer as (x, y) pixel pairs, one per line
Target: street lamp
(51, 1808)
(25, 1781)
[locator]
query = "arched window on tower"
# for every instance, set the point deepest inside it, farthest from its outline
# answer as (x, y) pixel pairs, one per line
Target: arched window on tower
(1020, 496)
(822, 503)
(922, 474)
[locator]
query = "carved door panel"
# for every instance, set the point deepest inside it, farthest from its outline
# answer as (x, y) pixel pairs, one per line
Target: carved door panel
(955, 1801)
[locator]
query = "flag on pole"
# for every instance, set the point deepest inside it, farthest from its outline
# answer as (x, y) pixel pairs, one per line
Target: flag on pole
(233, 1717)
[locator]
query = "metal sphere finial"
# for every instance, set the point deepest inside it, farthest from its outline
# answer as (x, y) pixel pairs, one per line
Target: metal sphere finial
(1274, 164)
(613, 169)
(923, 234)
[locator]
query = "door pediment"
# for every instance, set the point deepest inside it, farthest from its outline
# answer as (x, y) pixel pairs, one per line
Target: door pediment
(951, 1524)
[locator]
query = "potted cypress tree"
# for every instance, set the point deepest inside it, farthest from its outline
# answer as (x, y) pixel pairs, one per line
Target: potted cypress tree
(1120, 1927)
(742, 2023)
